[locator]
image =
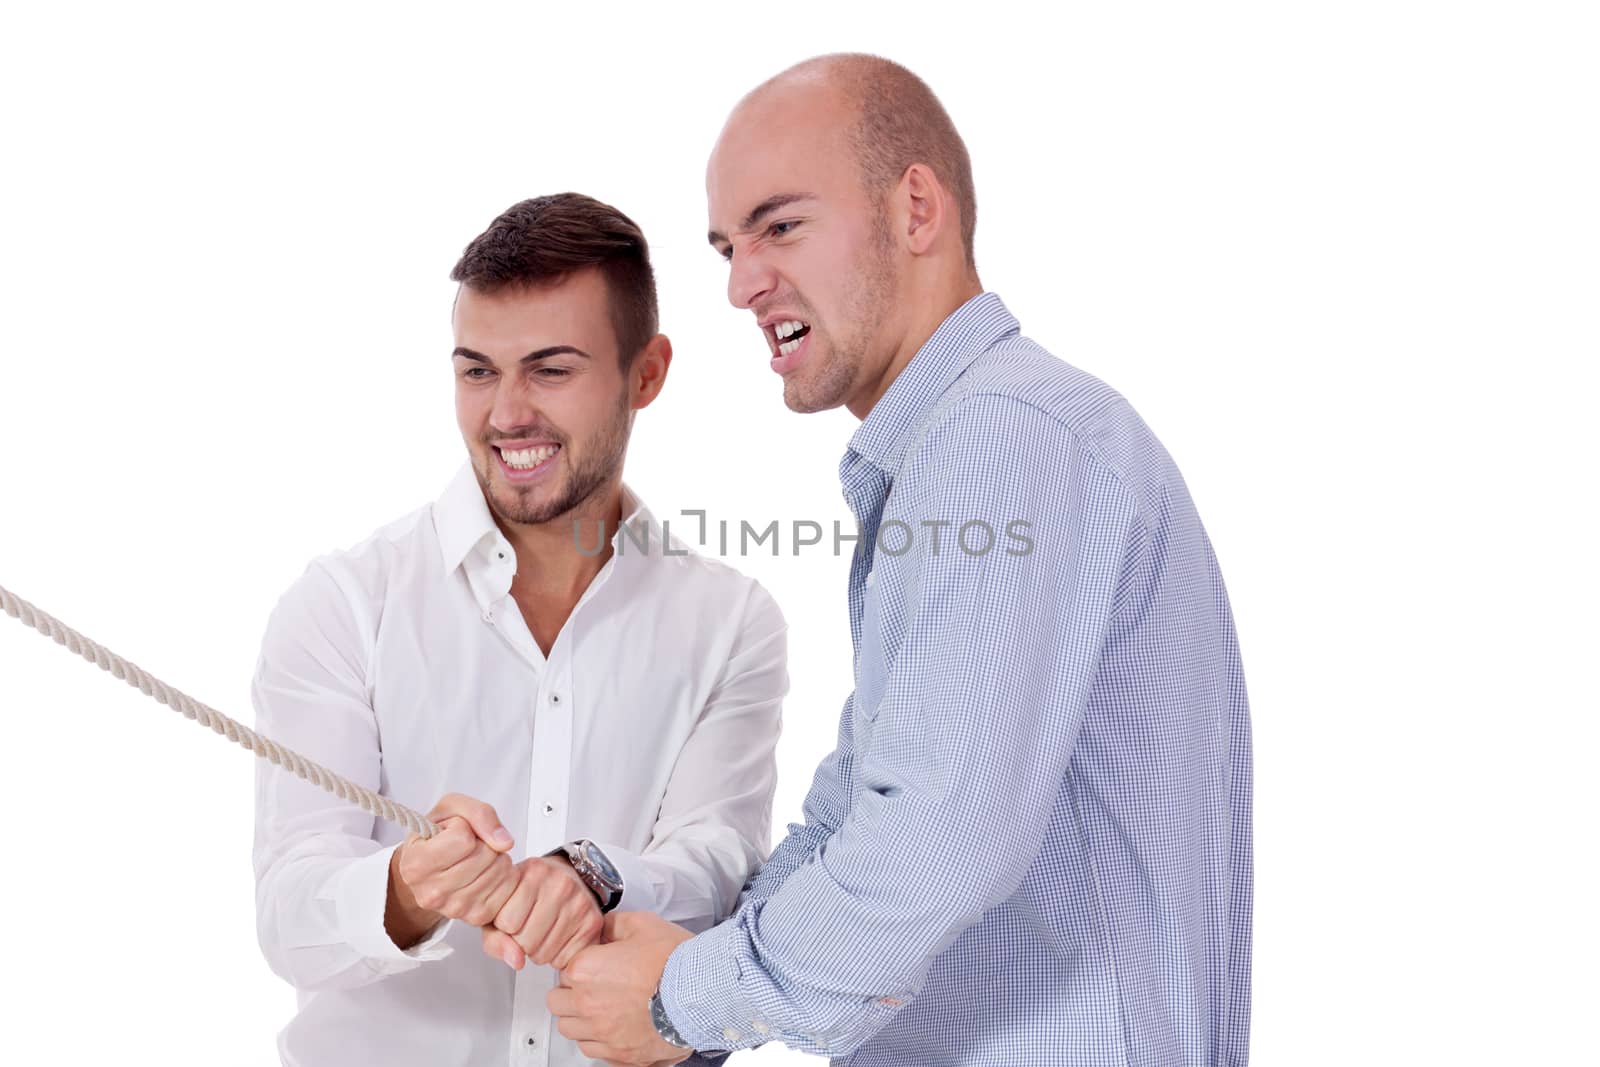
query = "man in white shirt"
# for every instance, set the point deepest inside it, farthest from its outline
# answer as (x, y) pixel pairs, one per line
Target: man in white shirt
(528, 649)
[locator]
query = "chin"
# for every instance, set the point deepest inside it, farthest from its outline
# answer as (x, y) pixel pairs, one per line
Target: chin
(801, 404)
(818, 387)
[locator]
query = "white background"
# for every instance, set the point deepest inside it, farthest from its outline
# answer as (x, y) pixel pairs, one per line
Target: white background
(1341, 256)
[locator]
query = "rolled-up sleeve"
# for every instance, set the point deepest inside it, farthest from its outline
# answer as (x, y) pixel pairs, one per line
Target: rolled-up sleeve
(958, 762)
(321, 877)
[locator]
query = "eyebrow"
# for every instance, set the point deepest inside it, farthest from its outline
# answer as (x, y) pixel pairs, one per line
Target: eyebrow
(532, 357)
(761, 211)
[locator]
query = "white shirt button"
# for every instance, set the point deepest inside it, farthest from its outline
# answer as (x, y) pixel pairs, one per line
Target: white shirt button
(549, 809)
(731, 1034)
(761, 1027)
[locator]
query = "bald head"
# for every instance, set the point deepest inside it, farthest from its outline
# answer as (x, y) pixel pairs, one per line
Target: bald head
(840, 195)
(890, 119)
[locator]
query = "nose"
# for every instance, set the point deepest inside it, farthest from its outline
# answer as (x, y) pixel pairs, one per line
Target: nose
(511, 410)
(749, 280)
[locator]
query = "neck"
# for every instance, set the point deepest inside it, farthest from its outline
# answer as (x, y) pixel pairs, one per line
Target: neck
(928, 304)
(551, 559)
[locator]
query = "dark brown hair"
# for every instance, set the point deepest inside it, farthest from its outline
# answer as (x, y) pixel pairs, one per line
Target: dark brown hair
(542, 240)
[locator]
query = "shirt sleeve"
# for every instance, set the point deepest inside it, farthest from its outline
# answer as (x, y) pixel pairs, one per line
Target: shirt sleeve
(321, 876)
(960, 766)
(825, 806)
(715, 821)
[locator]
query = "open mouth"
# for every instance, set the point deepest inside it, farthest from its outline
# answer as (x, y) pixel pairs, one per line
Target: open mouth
(527, 461)
(786, 336)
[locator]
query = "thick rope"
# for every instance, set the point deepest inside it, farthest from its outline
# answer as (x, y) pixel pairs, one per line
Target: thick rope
(189, 708)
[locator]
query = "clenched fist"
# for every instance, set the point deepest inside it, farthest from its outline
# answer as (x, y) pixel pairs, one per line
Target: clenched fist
(462, 872)
(549, 917)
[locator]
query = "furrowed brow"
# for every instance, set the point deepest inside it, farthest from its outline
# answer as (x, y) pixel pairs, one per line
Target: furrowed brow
(758, 214)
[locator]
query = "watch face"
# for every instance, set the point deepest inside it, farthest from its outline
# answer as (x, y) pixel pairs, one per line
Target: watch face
(603, 865)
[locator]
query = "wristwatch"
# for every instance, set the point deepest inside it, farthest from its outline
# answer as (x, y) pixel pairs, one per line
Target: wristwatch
(595, 870)
(664, 1028)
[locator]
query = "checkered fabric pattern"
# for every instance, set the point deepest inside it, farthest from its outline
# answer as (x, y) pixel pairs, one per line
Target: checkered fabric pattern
(1032, 842)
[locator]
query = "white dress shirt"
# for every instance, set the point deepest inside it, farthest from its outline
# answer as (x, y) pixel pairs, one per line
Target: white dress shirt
(405, 665)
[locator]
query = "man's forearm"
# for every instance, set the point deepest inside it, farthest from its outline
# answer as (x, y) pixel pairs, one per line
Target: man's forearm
(406, 921)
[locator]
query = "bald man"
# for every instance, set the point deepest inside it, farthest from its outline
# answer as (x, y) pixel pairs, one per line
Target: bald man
(1032, 843)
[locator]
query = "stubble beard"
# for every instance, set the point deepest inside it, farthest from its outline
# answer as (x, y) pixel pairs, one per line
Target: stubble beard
(832, 373)
(605, 452)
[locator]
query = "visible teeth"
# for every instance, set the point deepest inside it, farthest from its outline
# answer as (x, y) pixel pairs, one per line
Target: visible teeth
(789, 346)
(529, 457)
(785, 329)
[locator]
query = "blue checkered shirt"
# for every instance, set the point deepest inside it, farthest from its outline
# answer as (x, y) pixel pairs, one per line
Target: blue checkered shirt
(1032, 842)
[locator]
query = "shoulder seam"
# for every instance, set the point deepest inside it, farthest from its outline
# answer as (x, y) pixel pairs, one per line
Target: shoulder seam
(971, 395)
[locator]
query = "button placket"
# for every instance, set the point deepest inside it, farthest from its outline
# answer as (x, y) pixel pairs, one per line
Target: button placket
(530, 1042)
(549, 808)
(551, 770)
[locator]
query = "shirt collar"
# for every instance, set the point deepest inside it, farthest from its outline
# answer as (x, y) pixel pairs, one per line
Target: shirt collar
(463, 521)
(967, 333)
(462, 518)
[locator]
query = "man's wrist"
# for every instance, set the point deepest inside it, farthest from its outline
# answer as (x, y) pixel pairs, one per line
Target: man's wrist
(595, 870)
(663, 1023)
(406, 921)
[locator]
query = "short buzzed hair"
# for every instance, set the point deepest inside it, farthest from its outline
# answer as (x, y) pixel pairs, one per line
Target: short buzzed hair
(541, 241)
(900, 122)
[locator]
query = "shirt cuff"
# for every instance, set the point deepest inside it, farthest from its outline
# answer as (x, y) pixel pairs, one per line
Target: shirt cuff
(701, 994)
(638, 888)
(360, 893)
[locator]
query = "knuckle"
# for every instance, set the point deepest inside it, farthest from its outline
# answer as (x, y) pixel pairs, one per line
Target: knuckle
(444, 810)
(508, 918)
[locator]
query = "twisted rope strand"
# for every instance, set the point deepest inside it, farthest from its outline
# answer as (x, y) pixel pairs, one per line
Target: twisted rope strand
(190, 708)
